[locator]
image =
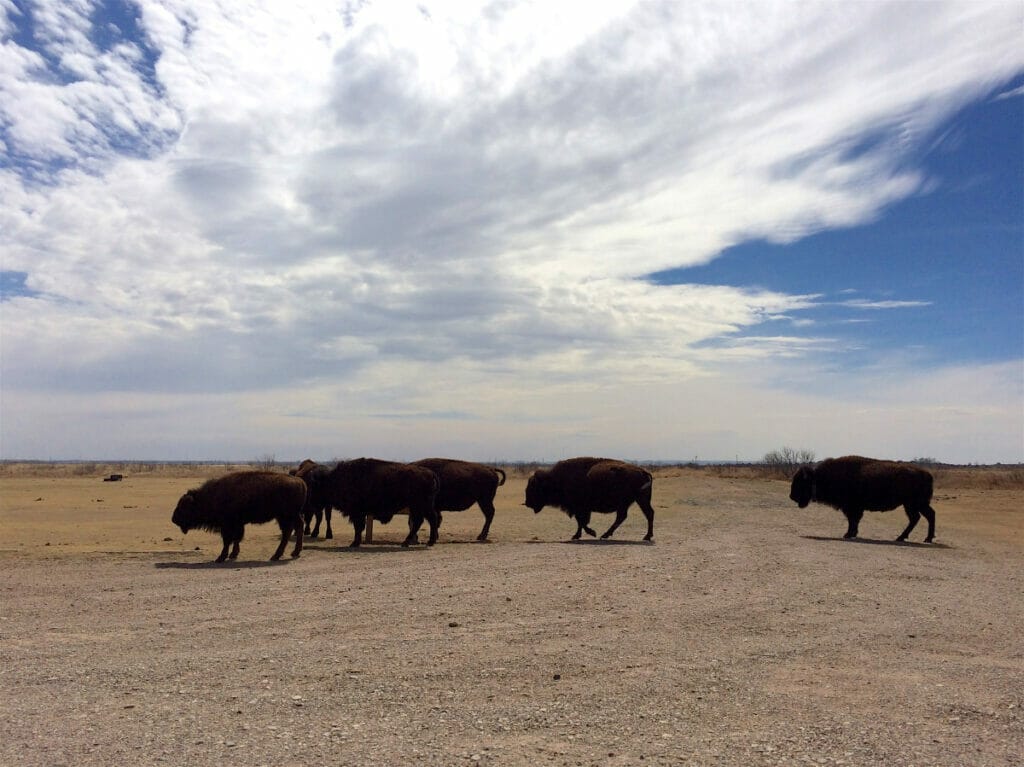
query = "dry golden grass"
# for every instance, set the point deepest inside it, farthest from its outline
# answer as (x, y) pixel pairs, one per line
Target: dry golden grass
(1000, 476)
(100, 469)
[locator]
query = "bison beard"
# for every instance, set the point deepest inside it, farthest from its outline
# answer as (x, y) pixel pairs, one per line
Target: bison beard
(854, 485)
(462, 484)
(580, 486)
(227, 504)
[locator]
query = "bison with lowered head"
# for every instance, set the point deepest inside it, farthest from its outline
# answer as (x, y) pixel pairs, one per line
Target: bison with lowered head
(463, 484)
(368, 487)
(227, 504)
(854, 485)
(316, 506)
(580, 486)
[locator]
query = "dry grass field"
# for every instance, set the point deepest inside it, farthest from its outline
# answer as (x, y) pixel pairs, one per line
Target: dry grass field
(749, 633)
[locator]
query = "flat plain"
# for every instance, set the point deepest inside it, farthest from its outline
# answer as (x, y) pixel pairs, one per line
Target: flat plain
(749, 633)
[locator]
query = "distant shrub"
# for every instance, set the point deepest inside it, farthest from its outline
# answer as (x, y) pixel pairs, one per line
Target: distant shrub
(786, 460)
(266, 462)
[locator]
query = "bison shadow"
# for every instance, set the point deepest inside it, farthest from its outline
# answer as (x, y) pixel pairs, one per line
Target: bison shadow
(878, 542)
(211, 565)
(587, 542)
(368, 548)
(606, 542)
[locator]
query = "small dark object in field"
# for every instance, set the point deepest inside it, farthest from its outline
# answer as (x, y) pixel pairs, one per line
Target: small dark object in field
(227, 504)
(580, 486)
(464, 483)
(854, 484)
(114, 478)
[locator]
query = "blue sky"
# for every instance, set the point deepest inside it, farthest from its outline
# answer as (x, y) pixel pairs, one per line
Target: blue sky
(512, 230)
(952, 252)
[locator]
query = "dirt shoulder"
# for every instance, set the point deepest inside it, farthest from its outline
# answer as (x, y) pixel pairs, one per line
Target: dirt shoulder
(749, 633)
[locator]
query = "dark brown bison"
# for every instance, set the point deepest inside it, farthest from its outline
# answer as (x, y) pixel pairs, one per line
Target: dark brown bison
(854, 485)
(580, 486)
(316, 506)
(227, 504)
(463, 484)
(367, 487)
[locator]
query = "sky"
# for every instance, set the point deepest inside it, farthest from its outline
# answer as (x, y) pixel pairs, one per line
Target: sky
(511, 230)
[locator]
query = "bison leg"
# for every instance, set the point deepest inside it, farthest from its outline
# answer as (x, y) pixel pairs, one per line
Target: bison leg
(620, 517)
(912, 516)
(929, 515)
(415, 523)
(319, 515)
(287, 526)
(648, 510)
(358, 523)
(583, 525)
(228, 540)
(487, 507)
(298, 538)
(434, 522)
(327, 513)
(853, 521)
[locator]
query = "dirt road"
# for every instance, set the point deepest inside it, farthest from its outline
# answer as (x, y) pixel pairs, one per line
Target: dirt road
(748, 634)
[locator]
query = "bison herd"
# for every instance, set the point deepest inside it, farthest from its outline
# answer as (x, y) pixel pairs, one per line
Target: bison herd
(367, 489)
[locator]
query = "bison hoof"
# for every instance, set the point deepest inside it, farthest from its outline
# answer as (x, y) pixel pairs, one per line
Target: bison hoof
(649, 538)
(295, 555)
(589, 532)
(328, 536)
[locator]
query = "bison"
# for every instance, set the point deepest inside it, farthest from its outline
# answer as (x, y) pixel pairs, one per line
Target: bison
(463, 484)
(315, 505)
(368, 487)
(580, 486)
(854, 485)
(227, 504)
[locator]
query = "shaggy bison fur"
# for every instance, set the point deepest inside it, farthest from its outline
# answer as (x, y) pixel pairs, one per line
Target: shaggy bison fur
(227, 504)
(463, 484)
(368, 487)
(316, 506)
(580, 486)
(854, 485)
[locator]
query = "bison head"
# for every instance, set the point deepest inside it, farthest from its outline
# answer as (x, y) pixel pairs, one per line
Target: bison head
(304, 468)
(186, 512)
(802, 489)
(537, 491)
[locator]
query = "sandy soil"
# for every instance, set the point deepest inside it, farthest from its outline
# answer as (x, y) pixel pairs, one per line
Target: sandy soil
(749, 633)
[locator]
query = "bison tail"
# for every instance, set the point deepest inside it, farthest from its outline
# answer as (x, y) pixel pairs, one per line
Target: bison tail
(502, 473)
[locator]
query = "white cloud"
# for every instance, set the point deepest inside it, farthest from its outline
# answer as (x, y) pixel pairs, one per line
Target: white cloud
(385, 210)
